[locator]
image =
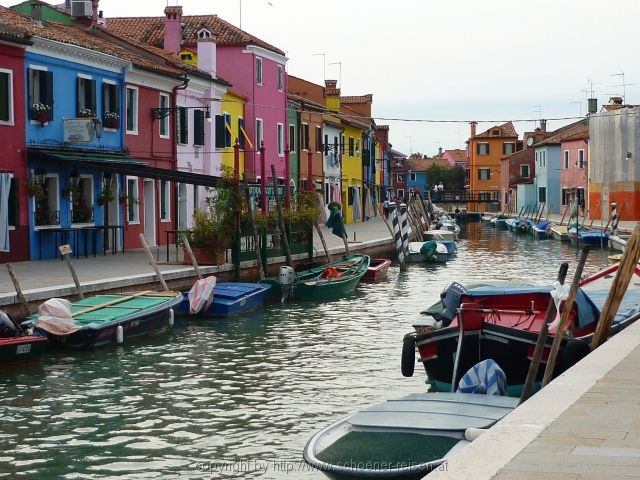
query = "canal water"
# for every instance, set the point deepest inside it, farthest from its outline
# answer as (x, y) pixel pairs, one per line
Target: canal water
(241, 397)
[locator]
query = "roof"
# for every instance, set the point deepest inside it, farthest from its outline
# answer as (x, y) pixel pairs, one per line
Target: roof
(88, 39)
(579, 129)
(357, 99)
(611, 107)
(396, 153)
(423, 164)
(305, 101)
(507, 130)
(525, 154)
(17, 35)
(150, 30)
(457, 154)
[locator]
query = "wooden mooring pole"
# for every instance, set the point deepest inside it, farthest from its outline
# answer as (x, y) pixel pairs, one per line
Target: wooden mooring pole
(153, 262)
(65, 251)
(16, 284)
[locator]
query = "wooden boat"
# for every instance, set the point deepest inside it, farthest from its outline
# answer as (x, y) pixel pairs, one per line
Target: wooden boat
(330, 280)
(377, 270)
(110, 318)
(405, 438)
(559, 232)
(502, 323)
(229, 299)
(439, 235)
(433, 251)
(540, 230)
(618, 242)
(16, 345)
(593, 238)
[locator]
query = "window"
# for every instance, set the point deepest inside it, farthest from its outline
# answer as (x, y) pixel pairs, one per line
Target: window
(82, 200)
(292, 138)
(318, 139)
(110, 105)
(86, 104)
(351, 147)
(258, 71)
(524, 171)
(47, 206)
(280, 134)
(412, 177)
(566, 196)
(325, 146)
(280, 78)
(482, 148)
(580, 158)
(543, 156)
(164, 121)
(495, 132)
(13, 203)
(6, 96)
(132, 110)
(198, 127)
(165, 201)
(40, 93)
(182, 126)
(227, 129)
(400, 178)
(133, 213)
(484, 174)
(259, 133)
(508, 148)
(542, 194)
(305, 137)
(566, 159)
(400, 193)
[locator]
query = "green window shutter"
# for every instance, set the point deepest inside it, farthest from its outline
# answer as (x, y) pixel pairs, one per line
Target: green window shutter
(198, 127)
(220, 131)
(227, 130)
(5, 92)
(48, 91)
(105, 99)
(478, 148)
(182, 126)
(241, 139)
(92, 97)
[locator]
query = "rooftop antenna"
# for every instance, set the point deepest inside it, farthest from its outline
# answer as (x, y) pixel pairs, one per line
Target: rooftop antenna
(538, 110)
(339, 72)
(624, 85)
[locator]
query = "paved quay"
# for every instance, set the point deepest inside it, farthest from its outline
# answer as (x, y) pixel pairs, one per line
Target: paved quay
(47, 278)
(585, 425)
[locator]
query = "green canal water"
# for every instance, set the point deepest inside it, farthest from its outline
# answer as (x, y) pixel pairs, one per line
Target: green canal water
(240, 397)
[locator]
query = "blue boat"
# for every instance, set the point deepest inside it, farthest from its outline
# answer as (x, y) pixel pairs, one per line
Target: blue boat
(596, 239)
(539, 230)
(229, 299)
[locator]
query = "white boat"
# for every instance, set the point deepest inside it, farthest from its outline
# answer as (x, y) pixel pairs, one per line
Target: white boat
(443, 251)
(559, 232)
(404, 438)
(439, 235)
(618, 242)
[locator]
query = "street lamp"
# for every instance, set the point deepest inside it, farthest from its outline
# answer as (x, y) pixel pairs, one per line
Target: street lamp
(73, 177)
(107, 180)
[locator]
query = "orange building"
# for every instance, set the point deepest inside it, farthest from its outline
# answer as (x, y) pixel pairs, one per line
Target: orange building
(485, 151)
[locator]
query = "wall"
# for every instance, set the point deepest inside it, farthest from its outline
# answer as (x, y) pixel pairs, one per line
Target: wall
(574, 177)
(294, 147)
(12, 146)
(490, 161)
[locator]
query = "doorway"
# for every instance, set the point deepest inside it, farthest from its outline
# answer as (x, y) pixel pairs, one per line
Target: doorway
(150, 212)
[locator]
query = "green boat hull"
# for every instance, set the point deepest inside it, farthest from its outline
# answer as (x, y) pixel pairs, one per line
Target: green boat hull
(308, 287)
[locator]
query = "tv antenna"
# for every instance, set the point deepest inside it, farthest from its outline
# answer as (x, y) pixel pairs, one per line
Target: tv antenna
(624, 85)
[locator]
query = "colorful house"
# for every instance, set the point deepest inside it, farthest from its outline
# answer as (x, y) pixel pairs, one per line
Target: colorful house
(293, 141)
(485, 150)
(14, 221)
(517, 174)
(383, 161)
(456, 157)
(574, 148)
(254, 68)
(232, 109)
(399, 173)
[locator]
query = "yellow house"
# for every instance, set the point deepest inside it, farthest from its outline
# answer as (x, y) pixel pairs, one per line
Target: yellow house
(232, 112)
(352, 185)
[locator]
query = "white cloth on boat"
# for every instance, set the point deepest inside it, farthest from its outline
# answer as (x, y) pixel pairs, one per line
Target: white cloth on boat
(558, 294)
(5, 187)
(201, 295)
(54, 316)
(484, 377)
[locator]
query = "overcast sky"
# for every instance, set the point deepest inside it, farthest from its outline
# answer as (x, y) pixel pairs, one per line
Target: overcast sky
(444, 59)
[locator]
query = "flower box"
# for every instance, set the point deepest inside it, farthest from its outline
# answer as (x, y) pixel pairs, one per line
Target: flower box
(113, 123)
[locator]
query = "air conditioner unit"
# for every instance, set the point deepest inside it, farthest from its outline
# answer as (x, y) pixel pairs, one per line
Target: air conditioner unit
(81, 8)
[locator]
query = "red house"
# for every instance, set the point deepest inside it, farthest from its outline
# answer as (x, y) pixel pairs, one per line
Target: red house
(12, 144)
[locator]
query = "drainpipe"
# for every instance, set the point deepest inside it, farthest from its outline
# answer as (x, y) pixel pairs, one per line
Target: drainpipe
(174, 152)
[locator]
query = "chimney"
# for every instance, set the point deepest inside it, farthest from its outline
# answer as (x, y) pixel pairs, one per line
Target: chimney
(615, 100)
(543, 125)
(172, 29)
(332, 95)
(593, 105)
(207, 51)
(473, 128)
(440, 152)
(36, 12)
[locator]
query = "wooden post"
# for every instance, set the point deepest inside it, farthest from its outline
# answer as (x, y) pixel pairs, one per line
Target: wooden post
(254, 229)
(283, 230)
(185, 239)
(386, 222)
(324, 243)
(346, 245)
(65, 250)
(542, 339)
(548, 213)
(564, 318)
(153, 263)
(614, 226)
(564, 214)
(16, 284)
(626, 268)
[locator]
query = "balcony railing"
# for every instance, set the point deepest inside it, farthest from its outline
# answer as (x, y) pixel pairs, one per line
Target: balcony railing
(82, 215)
(44, 216)
(466, 196)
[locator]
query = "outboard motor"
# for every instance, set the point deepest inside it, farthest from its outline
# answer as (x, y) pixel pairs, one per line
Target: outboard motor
(286, 279)
(8, 328)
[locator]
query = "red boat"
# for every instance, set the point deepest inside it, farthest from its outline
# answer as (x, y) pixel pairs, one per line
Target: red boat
(502, 322)
(16, 346)
(377, 270)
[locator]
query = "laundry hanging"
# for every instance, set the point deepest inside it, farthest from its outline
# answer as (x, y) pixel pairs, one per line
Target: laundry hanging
(357, 214)
(5, 186)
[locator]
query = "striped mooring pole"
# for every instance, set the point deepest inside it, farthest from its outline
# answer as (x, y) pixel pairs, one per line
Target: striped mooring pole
(404, 228)
(397, 235)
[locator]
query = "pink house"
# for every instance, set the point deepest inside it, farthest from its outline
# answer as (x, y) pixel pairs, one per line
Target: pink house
(456, 157)
(574, 165)
(256, 70)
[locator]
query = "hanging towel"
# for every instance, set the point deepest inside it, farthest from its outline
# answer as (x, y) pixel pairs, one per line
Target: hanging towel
(367, 203)
(356, 203)
(5, 186)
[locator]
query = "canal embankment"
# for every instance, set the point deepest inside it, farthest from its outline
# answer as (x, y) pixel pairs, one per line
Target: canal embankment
(130, 271)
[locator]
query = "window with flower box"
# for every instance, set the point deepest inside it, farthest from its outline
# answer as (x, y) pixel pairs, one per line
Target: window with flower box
(82, 199)
(40, 95)
(110, 105)
(86, 97)
(47, 202)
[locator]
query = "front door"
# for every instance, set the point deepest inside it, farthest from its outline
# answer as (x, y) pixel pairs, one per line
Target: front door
(150, 211)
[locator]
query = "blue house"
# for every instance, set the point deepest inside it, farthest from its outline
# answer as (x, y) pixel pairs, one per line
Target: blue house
(417, 176)
(548, 169)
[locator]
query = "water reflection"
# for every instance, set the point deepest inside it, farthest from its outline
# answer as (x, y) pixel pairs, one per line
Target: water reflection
(244, 393)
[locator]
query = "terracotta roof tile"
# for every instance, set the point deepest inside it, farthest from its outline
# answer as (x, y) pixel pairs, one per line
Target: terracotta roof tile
(423, 164)
(150, 30)
(457, 155)
(9, 32)
(612, 107)
(507, 130)
(579, 128)
(357, 99)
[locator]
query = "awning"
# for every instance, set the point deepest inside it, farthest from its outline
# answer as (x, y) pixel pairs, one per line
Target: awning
(120, 164)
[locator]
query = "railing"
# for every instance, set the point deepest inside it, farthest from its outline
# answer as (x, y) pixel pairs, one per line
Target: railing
(82, 215)
(466, 196)
(46, 217)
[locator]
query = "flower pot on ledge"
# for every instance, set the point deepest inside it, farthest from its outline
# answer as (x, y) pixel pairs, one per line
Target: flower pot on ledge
(41, 116)
(205, 256)
(113, 123)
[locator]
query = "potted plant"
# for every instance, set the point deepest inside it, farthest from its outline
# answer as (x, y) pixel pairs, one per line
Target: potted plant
(85, 112)
(40, 112)
(34, 188)
(106, 195)
(213, 228)
(111, 120)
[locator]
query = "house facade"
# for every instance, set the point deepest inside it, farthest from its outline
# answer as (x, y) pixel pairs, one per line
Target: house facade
(399, 172)
(517, 175)
(574, 168)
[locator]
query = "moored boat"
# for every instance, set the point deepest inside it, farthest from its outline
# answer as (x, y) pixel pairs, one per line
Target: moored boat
(103, 319)
(330, 280)
(16, 345)
(618, 242)
(540, 230)
(229, 298)
(404, 438)
(559, 232)
(593, 238)
(439, 235)
(438, 251)
(377, 270)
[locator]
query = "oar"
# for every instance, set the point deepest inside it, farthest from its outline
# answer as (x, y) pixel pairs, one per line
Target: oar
(542, 339)
(564, 318)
